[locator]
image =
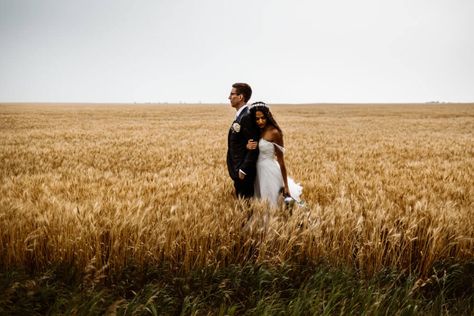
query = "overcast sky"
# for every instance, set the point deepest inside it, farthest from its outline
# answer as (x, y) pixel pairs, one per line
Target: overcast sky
(292, 51)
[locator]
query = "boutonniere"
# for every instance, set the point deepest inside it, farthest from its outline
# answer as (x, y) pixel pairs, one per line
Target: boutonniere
(236, 127)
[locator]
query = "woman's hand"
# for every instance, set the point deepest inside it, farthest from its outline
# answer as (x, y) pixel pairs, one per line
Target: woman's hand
(252, 145)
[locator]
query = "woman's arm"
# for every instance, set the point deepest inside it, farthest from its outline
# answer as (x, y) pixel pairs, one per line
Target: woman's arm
(252, 145)
(278, 139)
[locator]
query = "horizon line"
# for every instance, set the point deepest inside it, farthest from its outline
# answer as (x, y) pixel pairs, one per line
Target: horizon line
(222, 103)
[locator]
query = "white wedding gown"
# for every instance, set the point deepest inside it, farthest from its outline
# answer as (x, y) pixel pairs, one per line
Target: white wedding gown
(269, 180)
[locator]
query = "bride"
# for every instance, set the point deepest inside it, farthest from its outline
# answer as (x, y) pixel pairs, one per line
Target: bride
(271, 178)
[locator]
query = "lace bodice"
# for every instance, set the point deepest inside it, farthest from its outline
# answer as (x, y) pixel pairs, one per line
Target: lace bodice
(267, 149)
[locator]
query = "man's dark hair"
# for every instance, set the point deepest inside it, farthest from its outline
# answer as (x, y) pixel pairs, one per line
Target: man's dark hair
(243, 89)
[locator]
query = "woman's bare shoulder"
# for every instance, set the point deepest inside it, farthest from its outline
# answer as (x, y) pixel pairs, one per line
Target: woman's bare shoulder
(275, 135)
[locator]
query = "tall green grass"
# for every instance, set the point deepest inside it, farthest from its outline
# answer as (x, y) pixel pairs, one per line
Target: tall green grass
(239, 290)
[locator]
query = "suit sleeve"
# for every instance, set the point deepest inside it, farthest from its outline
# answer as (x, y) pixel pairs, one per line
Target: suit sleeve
(249, 132)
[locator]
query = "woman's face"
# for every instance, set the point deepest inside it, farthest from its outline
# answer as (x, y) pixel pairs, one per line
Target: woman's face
(260, 119)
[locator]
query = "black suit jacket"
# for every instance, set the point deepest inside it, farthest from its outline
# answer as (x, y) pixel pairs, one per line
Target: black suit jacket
(238, 156)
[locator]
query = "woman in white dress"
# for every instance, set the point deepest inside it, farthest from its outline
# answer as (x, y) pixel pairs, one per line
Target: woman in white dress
(271, 181)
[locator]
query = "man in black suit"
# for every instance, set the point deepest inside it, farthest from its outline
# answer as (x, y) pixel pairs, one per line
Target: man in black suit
(241, 161)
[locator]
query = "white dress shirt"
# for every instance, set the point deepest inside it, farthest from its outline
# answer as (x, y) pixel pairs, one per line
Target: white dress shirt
(240, 111)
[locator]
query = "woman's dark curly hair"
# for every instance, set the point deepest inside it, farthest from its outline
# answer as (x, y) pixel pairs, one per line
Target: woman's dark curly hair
(263, 107)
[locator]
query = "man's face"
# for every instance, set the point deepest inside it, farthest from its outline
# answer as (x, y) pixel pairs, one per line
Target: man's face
(235, 99)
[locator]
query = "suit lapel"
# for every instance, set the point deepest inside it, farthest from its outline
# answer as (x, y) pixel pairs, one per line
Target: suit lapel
(244, 111)
(237, 120)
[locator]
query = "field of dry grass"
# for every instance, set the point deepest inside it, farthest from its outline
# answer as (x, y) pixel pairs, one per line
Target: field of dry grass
(104, 186)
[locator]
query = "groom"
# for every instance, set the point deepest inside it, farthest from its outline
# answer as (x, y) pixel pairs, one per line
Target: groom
(241, 161)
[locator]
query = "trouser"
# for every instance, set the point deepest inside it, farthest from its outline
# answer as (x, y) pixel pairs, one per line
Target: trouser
(244, 188)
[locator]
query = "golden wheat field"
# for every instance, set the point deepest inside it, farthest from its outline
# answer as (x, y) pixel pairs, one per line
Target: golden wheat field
(103, 186)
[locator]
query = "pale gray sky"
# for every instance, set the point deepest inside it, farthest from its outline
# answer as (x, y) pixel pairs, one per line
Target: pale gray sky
(290, 51)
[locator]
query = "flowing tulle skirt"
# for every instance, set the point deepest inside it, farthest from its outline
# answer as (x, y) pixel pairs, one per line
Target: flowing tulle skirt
(269, 182)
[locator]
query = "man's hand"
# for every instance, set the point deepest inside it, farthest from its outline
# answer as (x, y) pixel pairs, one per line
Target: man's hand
(241, 175)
